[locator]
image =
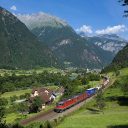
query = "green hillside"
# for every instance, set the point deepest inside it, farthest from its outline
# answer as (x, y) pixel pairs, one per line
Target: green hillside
(19, 48)
(120, 60)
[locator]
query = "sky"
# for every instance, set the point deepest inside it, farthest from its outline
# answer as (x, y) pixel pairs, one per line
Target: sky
(88, 16)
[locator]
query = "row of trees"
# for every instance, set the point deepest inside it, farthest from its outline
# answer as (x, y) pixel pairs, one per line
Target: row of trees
(13, 82)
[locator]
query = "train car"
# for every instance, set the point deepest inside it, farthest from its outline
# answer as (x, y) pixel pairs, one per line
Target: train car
(91, 91)
(105, 82)
(65, 104)
(98, 87)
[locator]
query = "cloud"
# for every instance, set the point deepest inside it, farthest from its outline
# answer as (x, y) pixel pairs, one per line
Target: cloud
(85, 29)
(13, 8)
(112, 30)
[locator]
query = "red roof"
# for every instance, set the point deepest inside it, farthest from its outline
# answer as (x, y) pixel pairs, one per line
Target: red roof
(43, 94)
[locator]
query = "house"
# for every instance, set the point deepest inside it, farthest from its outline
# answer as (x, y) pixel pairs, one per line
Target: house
(45, 94)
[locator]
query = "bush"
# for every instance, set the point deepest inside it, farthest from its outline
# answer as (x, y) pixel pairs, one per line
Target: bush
(48, 125)
(3, 102)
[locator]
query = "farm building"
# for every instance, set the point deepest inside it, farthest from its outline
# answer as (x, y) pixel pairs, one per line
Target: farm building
(45, 94)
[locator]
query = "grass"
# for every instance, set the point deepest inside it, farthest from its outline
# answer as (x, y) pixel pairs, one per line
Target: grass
(115, 114)
(124, 72)
(86, 120)
(11, 117)
(17, 93)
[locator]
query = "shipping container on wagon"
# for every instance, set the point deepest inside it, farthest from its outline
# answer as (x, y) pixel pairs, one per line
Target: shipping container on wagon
(91, 91)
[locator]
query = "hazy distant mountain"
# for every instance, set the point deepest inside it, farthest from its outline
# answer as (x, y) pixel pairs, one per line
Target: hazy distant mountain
(19, 48)
(67, 45)
(112, 42)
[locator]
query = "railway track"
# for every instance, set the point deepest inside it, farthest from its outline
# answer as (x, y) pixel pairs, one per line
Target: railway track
(51, 115)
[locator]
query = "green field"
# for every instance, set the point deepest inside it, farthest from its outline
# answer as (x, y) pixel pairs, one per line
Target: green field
(16, 93)
(115, 112)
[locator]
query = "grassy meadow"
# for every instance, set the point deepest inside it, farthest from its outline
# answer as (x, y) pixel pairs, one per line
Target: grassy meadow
(15, 93)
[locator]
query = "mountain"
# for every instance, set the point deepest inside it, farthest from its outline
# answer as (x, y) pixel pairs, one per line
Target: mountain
(109, 42)
(19, 48)
(119, 61)
(68, 46)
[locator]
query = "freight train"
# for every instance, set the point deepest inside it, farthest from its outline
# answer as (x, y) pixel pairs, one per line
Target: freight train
(68, 103)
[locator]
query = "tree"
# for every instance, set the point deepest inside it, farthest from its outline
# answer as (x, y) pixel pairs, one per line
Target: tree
(36, 104)
(117, 72)
(84, 81)
(27, 95)
(23, 107)
(100, 101)
(13, 98)
(2, 114)
(124, 3)
(3, 102)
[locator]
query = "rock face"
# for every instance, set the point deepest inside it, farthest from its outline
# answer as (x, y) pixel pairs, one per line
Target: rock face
(67, 45)
(19, 48)
(112, 43)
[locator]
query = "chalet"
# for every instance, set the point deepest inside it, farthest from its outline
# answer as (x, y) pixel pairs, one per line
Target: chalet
(45, 94)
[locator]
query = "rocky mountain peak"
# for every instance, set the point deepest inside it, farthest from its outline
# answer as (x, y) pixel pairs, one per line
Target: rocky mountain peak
(41, 19)
(112, 37)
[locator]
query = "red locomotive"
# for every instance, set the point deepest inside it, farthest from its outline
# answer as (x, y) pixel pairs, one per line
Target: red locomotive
(65, 104)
